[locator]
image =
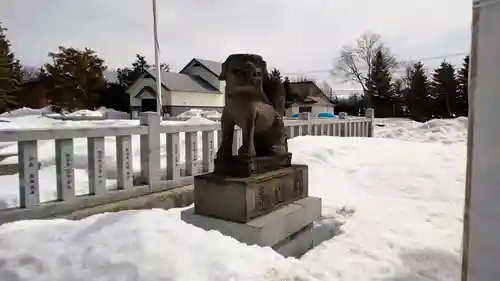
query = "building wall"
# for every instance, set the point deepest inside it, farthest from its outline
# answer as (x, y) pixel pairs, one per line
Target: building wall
(196, 99)
(176, 102)
(315, 109)
(322, 108)
(146, 82)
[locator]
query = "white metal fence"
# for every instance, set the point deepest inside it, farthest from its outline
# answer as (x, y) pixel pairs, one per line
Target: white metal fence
(200, 146)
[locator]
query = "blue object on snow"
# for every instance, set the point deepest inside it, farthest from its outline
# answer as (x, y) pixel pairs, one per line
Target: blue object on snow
(325, 115)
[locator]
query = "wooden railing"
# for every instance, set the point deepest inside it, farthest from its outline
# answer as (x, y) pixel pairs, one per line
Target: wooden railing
(200, 145)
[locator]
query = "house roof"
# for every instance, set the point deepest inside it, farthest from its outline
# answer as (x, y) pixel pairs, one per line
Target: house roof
(183, 82)
(212, 66)
(308, 92)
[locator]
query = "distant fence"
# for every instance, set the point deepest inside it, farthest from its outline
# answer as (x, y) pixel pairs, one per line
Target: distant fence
(201, 142)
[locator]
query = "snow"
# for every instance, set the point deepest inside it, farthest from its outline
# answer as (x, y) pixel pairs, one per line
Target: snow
(85, 112)
(438, 130)
(112, 113)
(400, 196)
(26, 111)
(199, 120)
(403, 203)
(200, 113)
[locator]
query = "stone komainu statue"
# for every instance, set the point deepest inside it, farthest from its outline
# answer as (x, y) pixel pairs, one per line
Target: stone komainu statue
(255, 102)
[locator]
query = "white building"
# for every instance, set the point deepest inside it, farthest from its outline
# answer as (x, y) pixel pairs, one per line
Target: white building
(197, 85)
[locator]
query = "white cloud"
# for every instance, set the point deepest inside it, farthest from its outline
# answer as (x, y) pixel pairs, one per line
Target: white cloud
(291, 34)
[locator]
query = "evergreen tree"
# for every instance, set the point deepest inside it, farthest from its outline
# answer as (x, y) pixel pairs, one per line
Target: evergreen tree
(398, 98)
(163, 67)
(128, 75)
(379, 87)
(418, 93)
(462, 105)
(276, 73)
(75, 78)
(353, 105)
(290, 96)
(10, 73)
(444, 88)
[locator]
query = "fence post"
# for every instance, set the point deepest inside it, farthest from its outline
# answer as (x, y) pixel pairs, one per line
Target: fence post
(344, 126)
(370, 113)
(150, 149)
(307, 116)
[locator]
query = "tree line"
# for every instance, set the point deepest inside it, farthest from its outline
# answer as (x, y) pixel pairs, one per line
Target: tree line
(418, 93)
(73, 79)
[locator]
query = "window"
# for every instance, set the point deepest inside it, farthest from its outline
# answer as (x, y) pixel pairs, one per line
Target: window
(305, 109)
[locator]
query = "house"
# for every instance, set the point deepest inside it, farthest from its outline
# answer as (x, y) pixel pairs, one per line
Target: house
(307, 97)
(197, 85)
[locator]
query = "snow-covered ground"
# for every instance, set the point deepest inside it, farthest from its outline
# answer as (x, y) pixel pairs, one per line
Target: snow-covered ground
(400, 196)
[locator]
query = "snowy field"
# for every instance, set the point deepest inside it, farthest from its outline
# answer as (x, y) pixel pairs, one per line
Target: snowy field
(399, 196)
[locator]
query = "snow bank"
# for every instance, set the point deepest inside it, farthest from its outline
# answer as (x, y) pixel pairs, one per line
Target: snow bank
(135, 245)
(86, 112)
(402, 202)
(112, 113)
(47, 111)
(200, 113)
(199, 120)
(26, 111)
(437, 130)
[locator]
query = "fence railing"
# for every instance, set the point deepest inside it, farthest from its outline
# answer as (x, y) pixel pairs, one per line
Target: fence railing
(199, 142)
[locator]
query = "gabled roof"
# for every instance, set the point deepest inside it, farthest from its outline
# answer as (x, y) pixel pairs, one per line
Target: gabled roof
(308, 92)
(181, 82)
(212, 66)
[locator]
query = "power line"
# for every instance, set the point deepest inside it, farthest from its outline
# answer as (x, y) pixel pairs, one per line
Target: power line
(420, 59)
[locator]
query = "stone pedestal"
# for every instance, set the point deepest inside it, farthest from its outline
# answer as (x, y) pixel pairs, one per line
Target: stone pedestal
(236, 166)
(264, 202)
(288, 230)
(243, 199)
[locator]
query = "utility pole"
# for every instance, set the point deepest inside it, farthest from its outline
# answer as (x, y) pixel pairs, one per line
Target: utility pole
(159, 103)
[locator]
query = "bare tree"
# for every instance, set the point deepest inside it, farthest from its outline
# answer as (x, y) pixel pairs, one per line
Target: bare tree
(406, 77)
(326, 88)
(355, 61)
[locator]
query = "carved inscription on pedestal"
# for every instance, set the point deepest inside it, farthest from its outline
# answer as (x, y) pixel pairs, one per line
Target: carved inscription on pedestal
(273, 193)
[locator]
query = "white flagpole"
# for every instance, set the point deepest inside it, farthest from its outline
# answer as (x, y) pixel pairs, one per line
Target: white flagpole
(159, 104)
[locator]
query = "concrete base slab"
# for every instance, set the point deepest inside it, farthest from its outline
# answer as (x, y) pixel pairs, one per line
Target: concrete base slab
(306, 239)
(276, 229)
